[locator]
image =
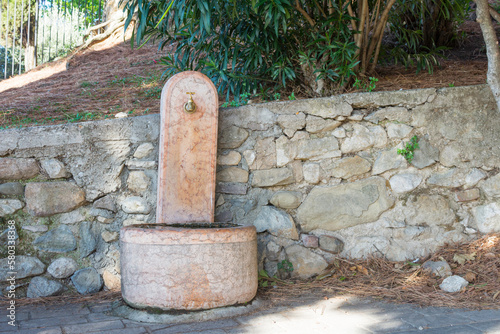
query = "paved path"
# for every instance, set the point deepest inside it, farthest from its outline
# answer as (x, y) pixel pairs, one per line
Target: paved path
(336, 315)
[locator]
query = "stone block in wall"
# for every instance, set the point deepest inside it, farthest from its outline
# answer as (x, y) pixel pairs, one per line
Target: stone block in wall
(405, 182)
(231, 188)
(331, 244)
(109, 236)
(327, 107)
(291, 123)
(487, 217)
(398, 131)
(305, 262)
(399, 114)
(452, 178)
(107, 203)
(44, 199)
(62, 267)
(87, 281)
(12, 189)
(276, 222)
(134, 164)
(341, 206)
(54, 168)
(397, 98)
(388, 160)
(309, 240)
(231, 158)
(272, 177)
(286, 199)
(425, 155)
(111, 282)
(363, 138)
(231, 137)
(316, 124)
(72, 217)
(42, 287)
(232, 174)
(265, 154)
(88, 242)
(251, 117)
(10, 206)
(58, 240)
(135, 204)
(346, 167)
(143, 150)
(473, 177)
(138, 182)
(311, 172)
(429, 210)
(491, 186)
(26, 266)
(18, 169)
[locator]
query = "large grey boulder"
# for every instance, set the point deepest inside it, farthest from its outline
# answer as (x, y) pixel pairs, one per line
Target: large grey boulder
(59, 240)
(25, 266)
(43, 287)
(345, 205)
(87, 281)
(45, 199)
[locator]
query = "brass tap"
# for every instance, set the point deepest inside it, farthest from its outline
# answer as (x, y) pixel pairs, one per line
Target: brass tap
(190, 106)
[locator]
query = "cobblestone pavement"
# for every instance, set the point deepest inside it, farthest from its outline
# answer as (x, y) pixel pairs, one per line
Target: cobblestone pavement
(336, 315)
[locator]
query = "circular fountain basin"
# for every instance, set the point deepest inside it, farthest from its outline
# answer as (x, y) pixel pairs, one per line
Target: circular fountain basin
(188, 268)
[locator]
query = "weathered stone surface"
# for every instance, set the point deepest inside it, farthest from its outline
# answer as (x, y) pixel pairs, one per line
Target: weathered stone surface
(59, 240)
(425, 155)
(231, 158)
(143, 151)
(311, 172)
(111, 282)
(250, 117)
(491, 186)
(399, 114)
(44, 199)
(331, 244)
(387, 160)
(107, 203)
(63, 267)
(339, 133)
(94, 212)
(317, 149)
(11, 189)
(305, 262)
(134, 164)
(318, 124)
(338, 207)
(276, 222)
(88, 240)
(405, 182)
(292, 123)
(473, 177)
(363, 138)
(265, 154)
(43, 287)
(232, 174)
(232, 137)
(18, 169)
(72, 217)
(136, 204)
(249, 156)
(138, 182)
(10, 206)
(348, 167)
(438, 268)
(26, 266)
(36, 228)
(453, 284)
(327, 107)
(309, 240)
(272, 177)
(429, 210)
(487, 217)
(467, 195)
(452, 178)
(286, 199)
(54, 168)
(87, 281)
(232, 188)
(108, 236)
(398, 130)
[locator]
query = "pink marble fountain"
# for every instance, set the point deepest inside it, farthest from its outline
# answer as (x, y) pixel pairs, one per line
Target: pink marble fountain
(182, 262)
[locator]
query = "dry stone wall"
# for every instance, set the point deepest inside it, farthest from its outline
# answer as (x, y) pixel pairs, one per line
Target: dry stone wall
(318, 178)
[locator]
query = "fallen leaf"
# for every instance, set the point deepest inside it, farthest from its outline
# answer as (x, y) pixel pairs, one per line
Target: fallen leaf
(462, 258)
(353, 268)
(470, 277)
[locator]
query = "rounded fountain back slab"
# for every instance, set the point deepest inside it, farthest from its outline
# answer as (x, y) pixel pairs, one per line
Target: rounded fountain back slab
(173, 268)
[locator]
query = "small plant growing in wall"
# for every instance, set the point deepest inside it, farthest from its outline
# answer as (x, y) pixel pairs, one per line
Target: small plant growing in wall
(409, 149)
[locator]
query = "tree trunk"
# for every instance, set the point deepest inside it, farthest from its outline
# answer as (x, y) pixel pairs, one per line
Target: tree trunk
(492, 50)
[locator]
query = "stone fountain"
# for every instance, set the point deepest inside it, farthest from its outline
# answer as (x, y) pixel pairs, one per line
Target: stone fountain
(185, 261)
